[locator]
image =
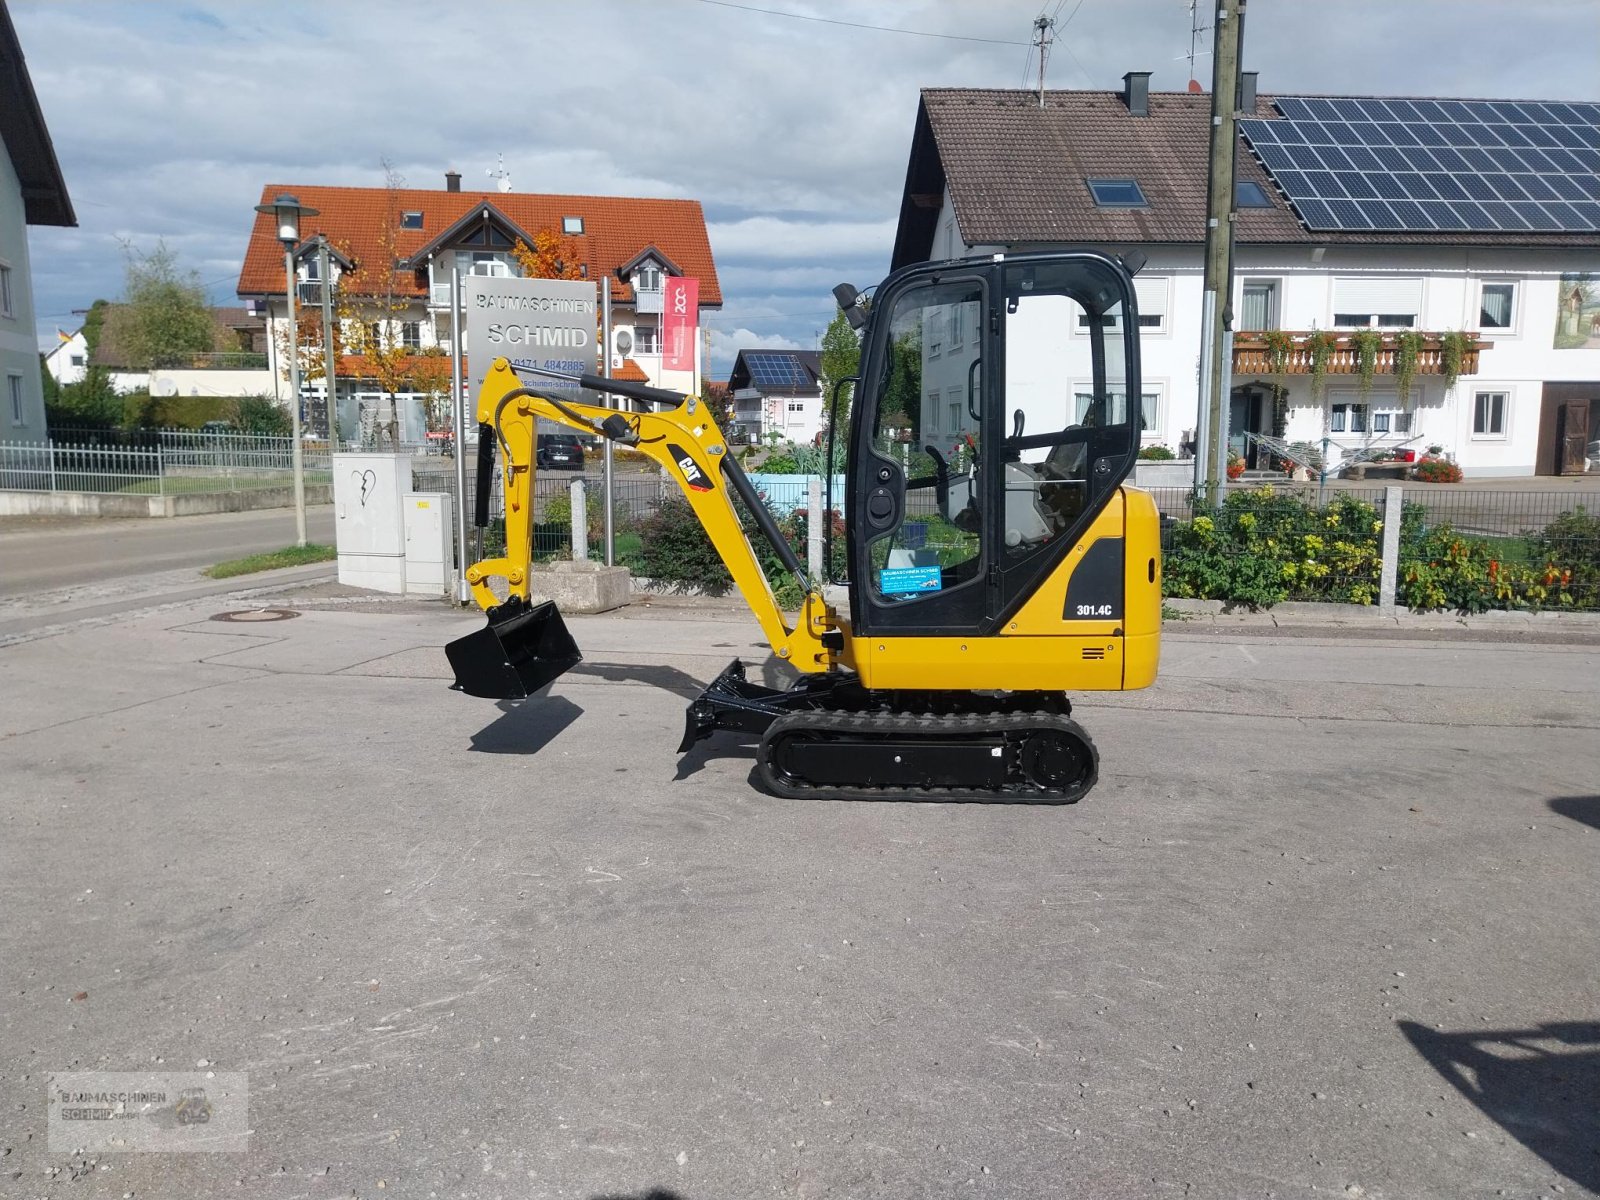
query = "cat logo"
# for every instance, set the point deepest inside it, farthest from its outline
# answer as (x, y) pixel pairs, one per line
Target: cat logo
(692, 474)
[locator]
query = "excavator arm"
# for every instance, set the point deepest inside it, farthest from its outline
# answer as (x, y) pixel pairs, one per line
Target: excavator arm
(685, 441)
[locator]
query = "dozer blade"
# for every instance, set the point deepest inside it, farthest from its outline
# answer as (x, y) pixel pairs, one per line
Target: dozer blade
(521, 649)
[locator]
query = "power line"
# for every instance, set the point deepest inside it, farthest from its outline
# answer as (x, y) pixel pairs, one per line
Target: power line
(949, 37)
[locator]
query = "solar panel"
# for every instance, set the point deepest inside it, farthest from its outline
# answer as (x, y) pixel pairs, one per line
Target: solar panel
(770, 369)
(1453, 165)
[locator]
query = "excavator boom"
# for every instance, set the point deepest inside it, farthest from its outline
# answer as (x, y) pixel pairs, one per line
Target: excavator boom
(525, 645)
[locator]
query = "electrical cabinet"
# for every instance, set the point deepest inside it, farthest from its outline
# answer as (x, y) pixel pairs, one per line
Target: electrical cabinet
(428, 529)
(368, 510)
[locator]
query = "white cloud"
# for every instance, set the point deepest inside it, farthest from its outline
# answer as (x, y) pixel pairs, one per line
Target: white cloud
(726, 344)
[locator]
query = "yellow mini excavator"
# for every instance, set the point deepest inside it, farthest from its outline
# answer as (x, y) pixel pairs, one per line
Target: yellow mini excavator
(996, 560)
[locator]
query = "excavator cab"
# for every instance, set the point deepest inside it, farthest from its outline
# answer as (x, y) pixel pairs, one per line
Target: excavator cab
(992, 427)
(996, 560)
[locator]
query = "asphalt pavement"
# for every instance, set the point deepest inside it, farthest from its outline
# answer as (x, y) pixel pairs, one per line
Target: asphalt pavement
(1328, 925)
(44, 554)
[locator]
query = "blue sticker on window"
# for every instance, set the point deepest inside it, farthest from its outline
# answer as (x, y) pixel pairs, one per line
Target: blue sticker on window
(901, 581)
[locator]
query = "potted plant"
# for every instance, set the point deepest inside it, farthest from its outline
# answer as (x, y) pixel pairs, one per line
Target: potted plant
(1453, 347)
(1235, 464)
(1319, 350)
(1366, 343)
(1280, 345)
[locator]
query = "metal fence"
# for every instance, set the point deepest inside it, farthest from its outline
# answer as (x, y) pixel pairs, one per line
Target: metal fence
(1451, 546)
(179, 462)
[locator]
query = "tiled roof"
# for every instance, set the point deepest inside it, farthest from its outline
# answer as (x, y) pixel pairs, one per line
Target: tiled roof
(616, 228)
(1017, 174)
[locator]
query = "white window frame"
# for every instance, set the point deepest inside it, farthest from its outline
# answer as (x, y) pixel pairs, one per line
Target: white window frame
(1376, 319)
(647, 278)
(646, 339)
(571, 226)
(1504, 433)
(1275, 282)
(1513, 327)
(406, 219)
(1149, 390)
(14, 391)
(409, 342)
(7, 297)
(1161, 328)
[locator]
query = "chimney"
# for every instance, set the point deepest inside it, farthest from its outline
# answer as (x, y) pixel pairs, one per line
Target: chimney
(452, 181)
(1136, 92)
(1247, 92)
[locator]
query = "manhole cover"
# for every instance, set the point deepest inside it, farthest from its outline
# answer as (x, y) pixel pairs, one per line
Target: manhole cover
(257, 614)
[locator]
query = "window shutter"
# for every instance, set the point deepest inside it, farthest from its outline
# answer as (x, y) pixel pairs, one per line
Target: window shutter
(1152, 297)
(1372, 296)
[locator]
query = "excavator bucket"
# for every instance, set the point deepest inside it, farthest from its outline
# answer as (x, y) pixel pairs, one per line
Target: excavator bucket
(522, 648)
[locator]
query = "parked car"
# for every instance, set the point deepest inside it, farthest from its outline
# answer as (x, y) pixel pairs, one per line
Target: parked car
(559, 450)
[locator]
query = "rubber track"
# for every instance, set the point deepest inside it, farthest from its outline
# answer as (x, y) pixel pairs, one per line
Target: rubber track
(1016, 727)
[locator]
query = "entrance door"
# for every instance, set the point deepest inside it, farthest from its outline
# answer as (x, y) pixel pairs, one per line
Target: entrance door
(1572, 432)
(1244, 416)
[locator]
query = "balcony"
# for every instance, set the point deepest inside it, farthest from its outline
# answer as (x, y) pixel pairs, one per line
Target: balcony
(1252, 355)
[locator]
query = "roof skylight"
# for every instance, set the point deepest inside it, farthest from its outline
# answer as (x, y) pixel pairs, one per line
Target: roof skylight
(1117, 193)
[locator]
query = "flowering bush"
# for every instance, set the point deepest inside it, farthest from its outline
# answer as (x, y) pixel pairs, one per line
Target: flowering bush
(1264, 547)
(1437, 470)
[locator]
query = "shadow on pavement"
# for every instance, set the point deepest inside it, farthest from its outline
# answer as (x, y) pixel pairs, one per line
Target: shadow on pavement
(725, 743)
(652, 1194)
(526, 726)
(669, 679)
(1538, 1084)
(1580, 808)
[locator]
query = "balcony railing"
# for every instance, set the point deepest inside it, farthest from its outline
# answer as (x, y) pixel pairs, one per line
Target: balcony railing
(213, 360)
(1252, 355)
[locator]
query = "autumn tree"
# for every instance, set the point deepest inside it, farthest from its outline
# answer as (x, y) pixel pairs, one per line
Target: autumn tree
(551, 256)
(373, 301)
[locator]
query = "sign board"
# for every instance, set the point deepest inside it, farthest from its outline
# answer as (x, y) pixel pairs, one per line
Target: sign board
(679, 319)
(552, 324)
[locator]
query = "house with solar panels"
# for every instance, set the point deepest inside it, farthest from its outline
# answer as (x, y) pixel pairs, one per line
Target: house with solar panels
(776, 392)
(1464, 233)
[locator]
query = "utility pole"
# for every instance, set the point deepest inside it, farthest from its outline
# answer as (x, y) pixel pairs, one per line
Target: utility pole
(1216, 317)
(1041, 28)
(329, 358)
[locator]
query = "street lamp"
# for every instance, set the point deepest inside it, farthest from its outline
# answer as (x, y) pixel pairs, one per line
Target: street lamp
(286, 212)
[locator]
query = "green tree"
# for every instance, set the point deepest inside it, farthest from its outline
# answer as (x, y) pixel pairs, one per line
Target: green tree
(164, 313)
(841, 359)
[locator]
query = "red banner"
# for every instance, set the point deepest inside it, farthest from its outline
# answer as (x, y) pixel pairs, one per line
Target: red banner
(680, 322)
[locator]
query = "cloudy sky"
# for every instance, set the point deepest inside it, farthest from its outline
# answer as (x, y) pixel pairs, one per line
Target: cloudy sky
(168, 116)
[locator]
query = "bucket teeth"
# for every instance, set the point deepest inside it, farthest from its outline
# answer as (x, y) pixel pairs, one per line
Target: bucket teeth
(523, 648)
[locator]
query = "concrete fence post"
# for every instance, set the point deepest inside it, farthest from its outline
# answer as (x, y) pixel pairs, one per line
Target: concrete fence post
(815, 519)
(580, 522)
(161, 472)
(1393, 500)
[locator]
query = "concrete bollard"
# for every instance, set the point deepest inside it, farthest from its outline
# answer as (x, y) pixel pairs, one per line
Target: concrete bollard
(580, 522)
(1389, 573)
(815, 523)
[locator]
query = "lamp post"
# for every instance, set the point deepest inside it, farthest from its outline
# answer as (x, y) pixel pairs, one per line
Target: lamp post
(286, 212)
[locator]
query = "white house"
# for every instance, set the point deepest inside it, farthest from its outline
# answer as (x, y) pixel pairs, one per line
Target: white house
(777, 394)
(32, 192)
(992, 171)
(68, 360)
(628, 244)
